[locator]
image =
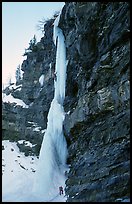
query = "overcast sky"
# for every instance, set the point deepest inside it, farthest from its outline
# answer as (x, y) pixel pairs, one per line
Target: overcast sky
(19, 25)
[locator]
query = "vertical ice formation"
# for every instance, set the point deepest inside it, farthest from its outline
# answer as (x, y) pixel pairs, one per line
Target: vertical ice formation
(60, 68)
(53, 154)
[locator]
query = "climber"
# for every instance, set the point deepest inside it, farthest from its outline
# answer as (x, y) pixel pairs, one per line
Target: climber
(61, 190)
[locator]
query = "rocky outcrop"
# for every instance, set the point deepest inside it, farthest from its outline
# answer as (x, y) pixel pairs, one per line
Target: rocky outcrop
(17, 127)
(97, 102)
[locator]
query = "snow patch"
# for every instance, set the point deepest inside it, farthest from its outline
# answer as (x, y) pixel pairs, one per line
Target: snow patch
(10, 99)
(37, 129)
(26, 143)
(41, 80)
(14, 87)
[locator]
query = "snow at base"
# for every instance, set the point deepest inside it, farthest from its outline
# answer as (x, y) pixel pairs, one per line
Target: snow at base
(18, 172)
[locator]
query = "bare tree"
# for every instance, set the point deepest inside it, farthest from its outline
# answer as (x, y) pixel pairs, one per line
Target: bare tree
(41, 23)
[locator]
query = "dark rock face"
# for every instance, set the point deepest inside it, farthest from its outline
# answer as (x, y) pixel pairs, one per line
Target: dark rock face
(16, 126)
(98, 121)
(97, 102)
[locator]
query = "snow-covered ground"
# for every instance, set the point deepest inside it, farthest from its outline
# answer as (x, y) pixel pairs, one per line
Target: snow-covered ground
(18, 172)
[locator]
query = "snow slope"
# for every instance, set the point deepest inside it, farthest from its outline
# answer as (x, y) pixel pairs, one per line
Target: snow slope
(18, 172)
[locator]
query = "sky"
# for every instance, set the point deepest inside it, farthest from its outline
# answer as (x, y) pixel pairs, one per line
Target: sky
(19, 25)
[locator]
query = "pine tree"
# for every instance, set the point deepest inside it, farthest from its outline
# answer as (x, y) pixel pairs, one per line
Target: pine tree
(32, 46)
(18, 74)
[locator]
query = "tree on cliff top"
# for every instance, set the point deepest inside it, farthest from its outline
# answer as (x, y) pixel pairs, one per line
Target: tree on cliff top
(32, 46)
(41, 23)
(18, 75)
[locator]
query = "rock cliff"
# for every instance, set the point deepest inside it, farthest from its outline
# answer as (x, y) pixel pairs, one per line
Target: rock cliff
(97, 103)
(97, 126)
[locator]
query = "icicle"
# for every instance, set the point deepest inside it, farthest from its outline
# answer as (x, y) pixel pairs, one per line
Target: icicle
(55, 32)
(60, 68)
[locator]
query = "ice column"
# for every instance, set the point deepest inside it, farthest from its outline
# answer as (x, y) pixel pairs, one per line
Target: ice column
(53, 153)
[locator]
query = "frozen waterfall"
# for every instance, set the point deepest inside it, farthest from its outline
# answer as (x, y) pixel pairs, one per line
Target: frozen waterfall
(52, 166)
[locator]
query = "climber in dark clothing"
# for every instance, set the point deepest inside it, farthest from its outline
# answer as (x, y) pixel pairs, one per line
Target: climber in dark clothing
(61, 190)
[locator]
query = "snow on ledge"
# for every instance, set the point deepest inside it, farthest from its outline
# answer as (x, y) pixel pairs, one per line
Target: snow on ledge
(26, 143)
(14, 87)
(10, 99)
